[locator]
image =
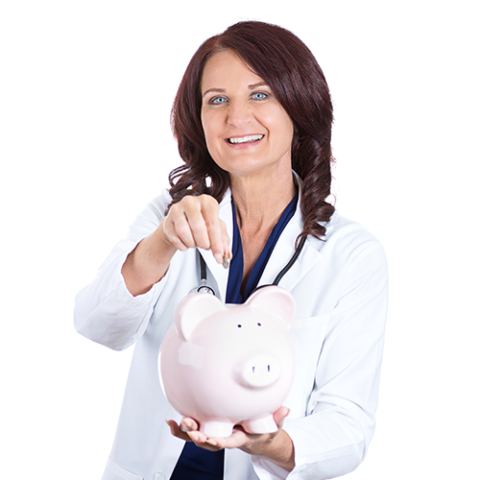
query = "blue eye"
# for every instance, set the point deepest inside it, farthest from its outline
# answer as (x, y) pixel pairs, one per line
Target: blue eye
(259, 96)
(218, 100)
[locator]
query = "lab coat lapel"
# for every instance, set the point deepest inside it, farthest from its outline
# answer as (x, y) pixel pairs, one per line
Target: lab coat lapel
(281, 255)
(284, 251)
(218, 271)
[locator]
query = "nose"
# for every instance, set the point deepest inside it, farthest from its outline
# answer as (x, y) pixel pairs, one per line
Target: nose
(260, 371)
(239, 114)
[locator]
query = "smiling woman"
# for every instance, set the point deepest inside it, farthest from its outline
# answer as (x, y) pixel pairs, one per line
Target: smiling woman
(253, 119)
(284, 66)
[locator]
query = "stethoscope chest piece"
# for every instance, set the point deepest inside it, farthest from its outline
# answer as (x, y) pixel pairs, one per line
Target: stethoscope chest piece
(203, 288)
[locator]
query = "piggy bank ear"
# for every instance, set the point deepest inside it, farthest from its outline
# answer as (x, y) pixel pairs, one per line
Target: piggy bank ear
(193, 309)
(275, 300)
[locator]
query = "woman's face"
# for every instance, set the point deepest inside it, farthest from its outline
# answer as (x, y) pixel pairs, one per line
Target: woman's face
(246, 129)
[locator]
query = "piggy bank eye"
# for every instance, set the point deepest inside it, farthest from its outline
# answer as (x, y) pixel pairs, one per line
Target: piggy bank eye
(259, 324)
(239, 326)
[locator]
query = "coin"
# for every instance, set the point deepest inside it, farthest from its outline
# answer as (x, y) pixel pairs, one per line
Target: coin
(226, 261)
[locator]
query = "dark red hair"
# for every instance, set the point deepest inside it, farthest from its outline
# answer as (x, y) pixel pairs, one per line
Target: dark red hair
(285, 63)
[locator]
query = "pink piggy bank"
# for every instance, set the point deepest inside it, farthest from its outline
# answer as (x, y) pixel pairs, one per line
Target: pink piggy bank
(225, 365)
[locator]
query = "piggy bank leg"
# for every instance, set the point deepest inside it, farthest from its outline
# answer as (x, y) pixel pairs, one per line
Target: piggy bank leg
(263, 424)
(216, 428)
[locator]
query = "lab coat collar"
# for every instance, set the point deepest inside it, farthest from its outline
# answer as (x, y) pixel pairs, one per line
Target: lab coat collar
(285, 249)
(281, 255)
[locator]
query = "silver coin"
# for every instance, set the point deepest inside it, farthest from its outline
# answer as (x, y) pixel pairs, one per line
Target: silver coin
(226, 261)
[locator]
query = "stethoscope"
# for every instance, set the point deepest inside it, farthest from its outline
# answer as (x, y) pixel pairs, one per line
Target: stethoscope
(204, 288)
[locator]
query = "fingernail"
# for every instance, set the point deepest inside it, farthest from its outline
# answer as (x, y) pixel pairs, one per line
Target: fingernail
(212, 442)
(219, 257)
(193, 436)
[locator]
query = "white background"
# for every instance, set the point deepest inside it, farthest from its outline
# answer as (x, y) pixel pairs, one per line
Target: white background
(85, 94)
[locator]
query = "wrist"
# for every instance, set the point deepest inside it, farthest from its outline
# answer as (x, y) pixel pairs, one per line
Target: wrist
(277, 448)
(148, 262)
(163, 246)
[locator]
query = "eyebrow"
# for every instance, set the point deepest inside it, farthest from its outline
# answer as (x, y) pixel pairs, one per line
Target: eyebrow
(222, 90)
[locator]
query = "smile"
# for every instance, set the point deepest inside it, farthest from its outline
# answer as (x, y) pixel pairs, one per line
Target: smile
(246, 139)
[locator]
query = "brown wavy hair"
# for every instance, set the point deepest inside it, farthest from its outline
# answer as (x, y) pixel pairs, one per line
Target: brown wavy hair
(286, 64)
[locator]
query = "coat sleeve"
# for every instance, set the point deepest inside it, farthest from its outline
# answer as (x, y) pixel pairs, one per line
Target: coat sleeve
(333, 437)
(105, 311)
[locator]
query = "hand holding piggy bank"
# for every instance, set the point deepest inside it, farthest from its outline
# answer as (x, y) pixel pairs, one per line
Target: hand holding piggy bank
(225, 365)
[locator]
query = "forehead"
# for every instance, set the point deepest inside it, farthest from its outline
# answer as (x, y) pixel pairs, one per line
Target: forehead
(226, 69)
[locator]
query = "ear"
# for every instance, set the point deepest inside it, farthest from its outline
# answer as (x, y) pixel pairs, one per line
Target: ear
(275, 300)
(193, 309)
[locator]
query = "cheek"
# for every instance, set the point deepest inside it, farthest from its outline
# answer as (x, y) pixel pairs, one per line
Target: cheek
(210, 127)
(207, 131)
(212, 138)
(280, 122)
(287, 125)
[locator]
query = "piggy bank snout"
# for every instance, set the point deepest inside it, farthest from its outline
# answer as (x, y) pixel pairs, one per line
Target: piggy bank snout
(260, 371)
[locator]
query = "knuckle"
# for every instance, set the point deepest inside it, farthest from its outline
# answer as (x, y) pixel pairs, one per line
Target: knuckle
(190, 202)
(211, 222)
(186, 200)
(208, 201)
(197, 222)
(177, 242)
(174, 209)
(203, 243)
(183, 234)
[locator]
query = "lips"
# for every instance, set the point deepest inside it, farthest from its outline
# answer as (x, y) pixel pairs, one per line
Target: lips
(245, 139)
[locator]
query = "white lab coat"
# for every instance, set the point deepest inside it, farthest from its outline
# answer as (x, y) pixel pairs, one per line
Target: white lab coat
(340, 289)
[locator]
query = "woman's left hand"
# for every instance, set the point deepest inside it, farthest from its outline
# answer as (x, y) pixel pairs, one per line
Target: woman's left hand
(276, 446)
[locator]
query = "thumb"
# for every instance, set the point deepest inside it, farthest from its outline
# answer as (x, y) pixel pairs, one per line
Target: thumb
(280, 415)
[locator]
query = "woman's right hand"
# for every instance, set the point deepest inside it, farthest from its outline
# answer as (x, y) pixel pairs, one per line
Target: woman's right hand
(190, 223)
(194, 222)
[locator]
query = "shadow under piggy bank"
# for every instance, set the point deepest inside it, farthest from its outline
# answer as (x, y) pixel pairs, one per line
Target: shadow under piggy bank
(226, 365)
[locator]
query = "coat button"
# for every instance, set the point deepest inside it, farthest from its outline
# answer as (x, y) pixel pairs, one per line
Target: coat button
(159, 476)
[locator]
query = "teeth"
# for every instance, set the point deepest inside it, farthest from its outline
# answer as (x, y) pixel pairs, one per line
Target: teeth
(248, 138)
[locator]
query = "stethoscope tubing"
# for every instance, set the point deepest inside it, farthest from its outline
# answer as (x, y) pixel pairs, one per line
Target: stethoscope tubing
(204, 288)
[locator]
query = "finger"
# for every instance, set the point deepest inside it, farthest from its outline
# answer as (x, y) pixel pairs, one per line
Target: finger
(237, 439)
(202, 441)
(182, 231)
(176, 431)
(198, 227)
(217, 230)
(188, 424)
(195, 208)
(226, 240)
(175, 227)
(280, 415)
(219, 241)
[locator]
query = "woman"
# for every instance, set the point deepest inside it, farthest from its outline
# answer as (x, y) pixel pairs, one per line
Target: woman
(253, 122)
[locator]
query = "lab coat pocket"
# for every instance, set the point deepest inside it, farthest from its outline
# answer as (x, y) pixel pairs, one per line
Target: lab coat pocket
(116, 472)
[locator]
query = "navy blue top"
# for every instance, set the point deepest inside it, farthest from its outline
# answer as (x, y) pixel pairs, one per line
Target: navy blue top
(235, 273)
(195, 463)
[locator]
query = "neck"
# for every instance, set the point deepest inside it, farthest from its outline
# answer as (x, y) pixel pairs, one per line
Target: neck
(259, 202)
